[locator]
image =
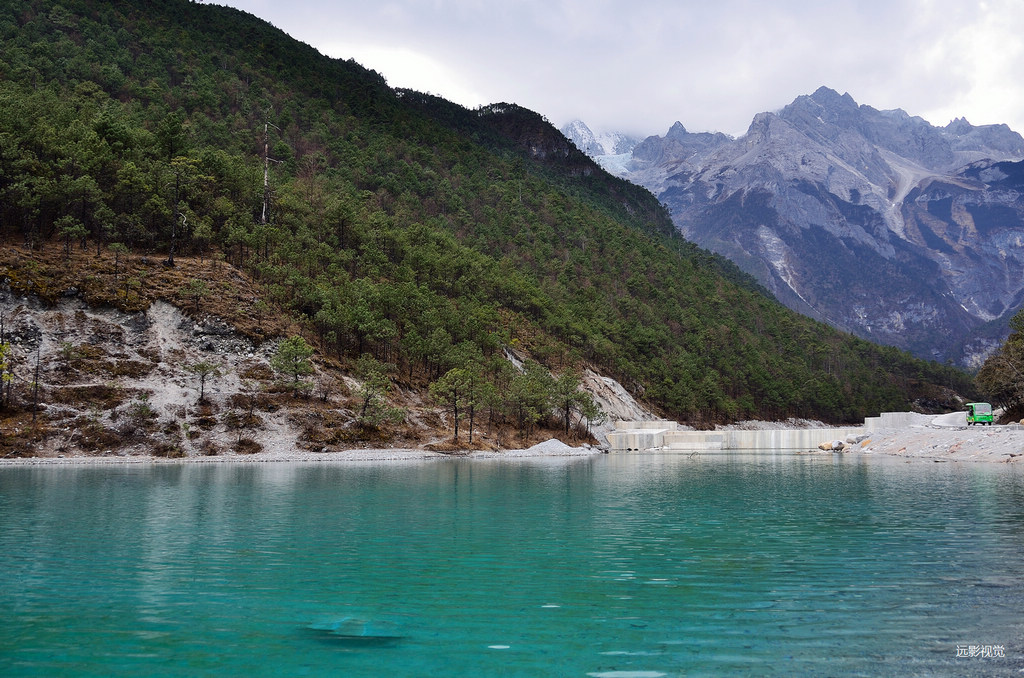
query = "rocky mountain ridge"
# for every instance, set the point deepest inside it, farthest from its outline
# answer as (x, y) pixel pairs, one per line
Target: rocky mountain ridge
(611, 150)
(875, 221)
(594, 144)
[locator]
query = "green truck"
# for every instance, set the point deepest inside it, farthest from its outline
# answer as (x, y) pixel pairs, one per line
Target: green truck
(979, 413)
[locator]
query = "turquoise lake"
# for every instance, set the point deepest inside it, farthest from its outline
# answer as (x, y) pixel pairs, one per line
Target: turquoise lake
(616, 566)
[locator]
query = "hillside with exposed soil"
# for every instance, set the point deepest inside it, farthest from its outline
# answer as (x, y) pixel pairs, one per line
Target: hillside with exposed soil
(116, 369)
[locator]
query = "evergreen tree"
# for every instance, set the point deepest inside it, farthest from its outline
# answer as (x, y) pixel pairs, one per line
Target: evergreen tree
(204, 370)
(375, 384)
(293, 359)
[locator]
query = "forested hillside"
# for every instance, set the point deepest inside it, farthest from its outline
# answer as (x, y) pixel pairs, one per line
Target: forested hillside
(394, 223)
(1001, 378)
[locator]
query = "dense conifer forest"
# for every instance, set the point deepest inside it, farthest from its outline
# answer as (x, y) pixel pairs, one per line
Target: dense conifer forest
(394, 225)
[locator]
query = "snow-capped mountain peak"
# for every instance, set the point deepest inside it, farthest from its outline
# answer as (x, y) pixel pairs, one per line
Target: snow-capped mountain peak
(598, 144)
(875, 221)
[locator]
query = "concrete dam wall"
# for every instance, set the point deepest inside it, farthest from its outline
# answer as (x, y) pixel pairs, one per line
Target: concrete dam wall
(639, 436)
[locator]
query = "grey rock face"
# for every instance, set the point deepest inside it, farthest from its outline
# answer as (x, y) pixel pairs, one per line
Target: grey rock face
(595, 145)
(875, 221)
(580, 135)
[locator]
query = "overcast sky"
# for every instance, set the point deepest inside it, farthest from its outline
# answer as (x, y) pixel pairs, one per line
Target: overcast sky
(637, 66)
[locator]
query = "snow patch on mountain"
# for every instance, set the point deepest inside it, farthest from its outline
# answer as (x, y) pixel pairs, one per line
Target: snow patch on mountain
(617, 164)
(876, 221)
(612, 150)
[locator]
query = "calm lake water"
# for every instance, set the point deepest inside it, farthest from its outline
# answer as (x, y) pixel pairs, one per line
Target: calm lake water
(612, 566)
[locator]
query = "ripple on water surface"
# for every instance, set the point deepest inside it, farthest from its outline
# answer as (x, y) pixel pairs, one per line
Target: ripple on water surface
(599, 566)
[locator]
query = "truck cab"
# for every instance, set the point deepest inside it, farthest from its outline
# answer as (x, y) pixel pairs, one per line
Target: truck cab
(979, 413)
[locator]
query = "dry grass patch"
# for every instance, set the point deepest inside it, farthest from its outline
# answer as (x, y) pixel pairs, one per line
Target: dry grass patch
(256, 372)
(91, 435)
(100, 396)
(247, 446)
(209, 448)
(323, 428)
(20, 437)
(132, 369)
(168, 450)
(137, 281)
(205, 423)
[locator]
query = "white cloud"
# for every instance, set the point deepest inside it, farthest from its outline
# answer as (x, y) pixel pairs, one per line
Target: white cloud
(642, 65)
(405, 68)
(983, 58)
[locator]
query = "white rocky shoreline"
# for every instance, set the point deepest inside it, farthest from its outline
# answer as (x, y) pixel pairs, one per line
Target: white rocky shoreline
(164, 334)
(549, 448)
(989, 444)
(943, 438)
(930, 441)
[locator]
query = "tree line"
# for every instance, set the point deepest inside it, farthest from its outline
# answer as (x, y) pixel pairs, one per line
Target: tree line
(397, 226)
(1001, 377)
